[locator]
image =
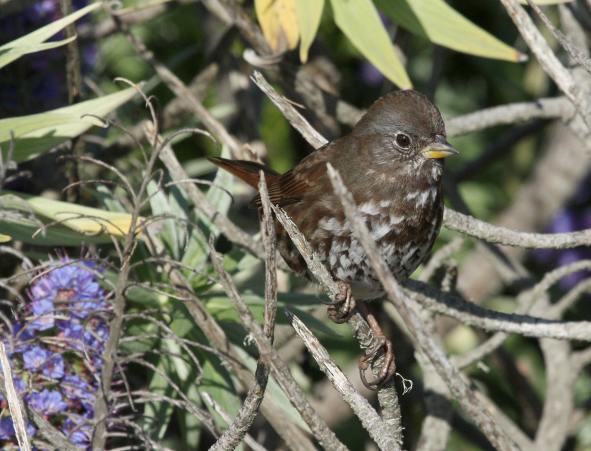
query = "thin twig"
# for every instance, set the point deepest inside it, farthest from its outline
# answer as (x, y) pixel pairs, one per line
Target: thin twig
(471, 226)
(236, 431)
(14, 403)
(101, 408)
(309, 133)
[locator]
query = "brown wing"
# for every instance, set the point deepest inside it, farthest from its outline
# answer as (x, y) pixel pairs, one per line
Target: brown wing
(292, 186)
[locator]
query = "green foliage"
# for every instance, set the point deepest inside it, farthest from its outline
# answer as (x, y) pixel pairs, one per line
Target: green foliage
(38, 133)
(35, 41)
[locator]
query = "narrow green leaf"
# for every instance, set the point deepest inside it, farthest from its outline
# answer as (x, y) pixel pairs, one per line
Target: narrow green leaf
(35, 41)
(157, 414)
(18, 220)
(86, 220)
(222, 185)
(160, 206)
(20, 50)
(360, 22)
(443, 25)
(37, 133)
(309, 13)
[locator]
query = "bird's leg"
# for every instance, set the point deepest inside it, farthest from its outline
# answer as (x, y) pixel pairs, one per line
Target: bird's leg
(344, 304)
(388, 367)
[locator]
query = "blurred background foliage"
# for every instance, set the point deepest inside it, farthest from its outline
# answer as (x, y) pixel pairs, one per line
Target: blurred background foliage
(187, 38)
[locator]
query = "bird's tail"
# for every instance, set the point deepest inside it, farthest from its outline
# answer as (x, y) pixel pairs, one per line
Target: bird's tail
(248, 171)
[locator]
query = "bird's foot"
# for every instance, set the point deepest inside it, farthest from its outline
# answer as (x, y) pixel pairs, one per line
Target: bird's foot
(344, 304)
(385, 349)
(387, 369)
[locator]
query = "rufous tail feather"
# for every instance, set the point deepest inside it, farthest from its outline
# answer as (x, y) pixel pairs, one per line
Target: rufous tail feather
(247, 171)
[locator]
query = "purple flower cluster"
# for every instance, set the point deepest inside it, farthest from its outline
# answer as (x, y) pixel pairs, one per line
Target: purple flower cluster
(56, 350)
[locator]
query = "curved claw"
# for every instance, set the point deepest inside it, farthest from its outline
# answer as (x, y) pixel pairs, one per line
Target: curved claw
(344, 304)
(387, 370)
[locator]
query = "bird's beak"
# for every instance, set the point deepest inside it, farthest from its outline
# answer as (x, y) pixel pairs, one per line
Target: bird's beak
(439, 148)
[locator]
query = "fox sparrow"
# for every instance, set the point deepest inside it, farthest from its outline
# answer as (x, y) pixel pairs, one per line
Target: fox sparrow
(392, 163)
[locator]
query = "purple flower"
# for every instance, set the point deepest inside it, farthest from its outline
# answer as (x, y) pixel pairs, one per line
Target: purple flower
(47, 401)
(35, 358)
(78, 430)
(68, 391)
(44, 316)
(72, 333)
(6, 428)
(54, 368)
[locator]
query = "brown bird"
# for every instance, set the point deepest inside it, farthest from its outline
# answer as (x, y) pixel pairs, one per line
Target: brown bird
(392, 163)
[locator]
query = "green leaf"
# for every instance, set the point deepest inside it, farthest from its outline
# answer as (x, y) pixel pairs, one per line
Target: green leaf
(82, 219)
(309, 13)
(222, 185)
(35, 41)
(160, 205)
(157, 414)
(443, 25)
(18, 219)
(5, 238)
(37, 133)
(360, 22)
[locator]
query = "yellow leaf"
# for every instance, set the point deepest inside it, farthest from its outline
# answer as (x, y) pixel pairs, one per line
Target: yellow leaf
(82, 219)
(5, 238)
(361, 23)
(279, 22)
(309, 13)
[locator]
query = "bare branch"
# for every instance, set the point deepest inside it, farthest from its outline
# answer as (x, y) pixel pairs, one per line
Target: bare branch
(471, 226)
(474, 315)
(546, 108)
(381, 432)
(180, 89)
(309, 133)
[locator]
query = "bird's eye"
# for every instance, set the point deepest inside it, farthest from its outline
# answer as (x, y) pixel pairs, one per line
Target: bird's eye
(403, 140)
